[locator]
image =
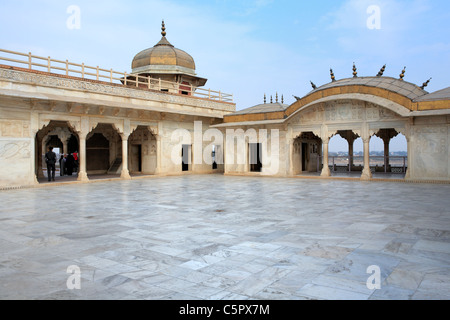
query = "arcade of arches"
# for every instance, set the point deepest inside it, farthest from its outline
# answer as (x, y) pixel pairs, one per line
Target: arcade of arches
(104, 151)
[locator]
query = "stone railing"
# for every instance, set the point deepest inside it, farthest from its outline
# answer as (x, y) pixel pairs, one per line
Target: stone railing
(82, 71)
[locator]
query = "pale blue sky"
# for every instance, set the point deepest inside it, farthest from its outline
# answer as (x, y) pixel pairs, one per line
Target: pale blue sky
(248, 47)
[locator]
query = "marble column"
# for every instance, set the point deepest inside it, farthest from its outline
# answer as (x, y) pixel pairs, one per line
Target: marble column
(408, 162)
(351, 142)
(291, 157)
(386, 141)
(65, 145)
(158, 154)
(366, 174)
(325, 170)
(125, 174)
(34, 154)
(82, 174)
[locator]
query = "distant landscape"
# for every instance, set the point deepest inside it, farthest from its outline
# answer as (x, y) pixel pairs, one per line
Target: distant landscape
(372, 153)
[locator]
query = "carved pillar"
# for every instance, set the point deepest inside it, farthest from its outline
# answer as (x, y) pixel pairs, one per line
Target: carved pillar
(350, 153)
(408, 163)
(34, 156)
(386, 141)
(366, 174)
(158, 154)
(82, 174)
(65, 143)
(325, 170)
(291, 170)
(125, 174)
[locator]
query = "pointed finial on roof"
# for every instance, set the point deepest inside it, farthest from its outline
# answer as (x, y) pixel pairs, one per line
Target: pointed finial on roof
(276, 97)
(333, 78)
(271, 101)
(313, 85)
(402, 75)
(297, 98)
(355, 74)
(163, 29)
(282, 99)
(425, 84)
(264, 98)
(381, 71)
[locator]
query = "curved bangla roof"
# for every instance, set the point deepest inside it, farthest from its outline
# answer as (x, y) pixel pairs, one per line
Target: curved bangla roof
(401, 87)
(405, 94)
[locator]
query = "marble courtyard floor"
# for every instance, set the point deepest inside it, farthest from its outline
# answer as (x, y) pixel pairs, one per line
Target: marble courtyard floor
(224, 237)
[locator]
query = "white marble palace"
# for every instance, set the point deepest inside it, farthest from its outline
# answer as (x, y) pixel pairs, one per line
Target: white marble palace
(123, 124)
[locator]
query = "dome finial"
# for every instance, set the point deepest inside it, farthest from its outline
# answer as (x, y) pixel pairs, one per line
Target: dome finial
(333, 78)
(282, 99)
(276, 97)
(163, 29)
(380, 74)
(271, 101)
(425, 84)
(264, 98)
(402, 75)
(355, 73)
(313, 85)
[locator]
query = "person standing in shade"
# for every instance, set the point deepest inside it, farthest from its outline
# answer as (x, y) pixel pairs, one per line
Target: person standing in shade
(75, 163)
(70, 162)
(62, 164)
(50, 159)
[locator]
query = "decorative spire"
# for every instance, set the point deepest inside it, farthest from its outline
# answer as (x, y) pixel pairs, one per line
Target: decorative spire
(264, 98)
(282, 99)
(381, 71)
(402, 75)
(163, 29)
(355, 74)
(276, 97)
(425, 84)
(333, 78)
(313, 85)
(271, 101)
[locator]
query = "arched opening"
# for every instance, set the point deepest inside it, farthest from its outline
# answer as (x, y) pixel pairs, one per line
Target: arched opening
(389, 152)
(142, 158)
(377, 157)
(342, 156)
(398, 154)
(97, 154)
(61, 136)
(307, 153)
(103, 151)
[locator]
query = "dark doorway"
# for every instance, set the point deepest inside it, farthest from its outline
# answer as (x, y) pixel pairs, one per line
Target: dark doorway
(304, 155)
(255, 150)
(136, 158)
(97, 153)
(186, 157)
(72, 145)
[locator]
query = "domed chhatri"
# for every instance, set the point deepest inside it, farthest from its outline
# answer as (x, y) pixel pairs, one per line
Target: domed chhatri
(166, 62)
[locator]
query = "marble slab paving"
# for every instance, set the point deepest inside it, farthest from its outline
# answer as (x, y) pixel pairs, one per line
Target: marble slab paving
(223, 237)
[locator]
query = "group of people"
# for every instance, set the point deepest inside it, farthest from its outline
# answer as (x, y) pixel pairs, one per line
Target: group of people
(68, 164)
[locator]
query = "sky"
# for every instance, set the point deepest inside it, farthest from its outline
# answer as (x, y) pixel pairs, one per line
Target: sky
(249, 47)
